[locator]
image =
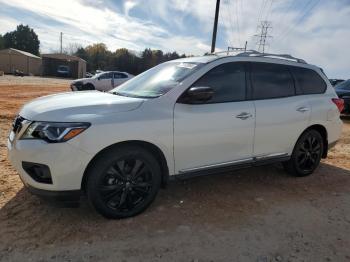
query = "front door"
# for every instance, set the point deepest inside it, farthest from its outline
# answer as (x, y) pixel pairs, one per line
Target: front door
(104, 82)
(219, 131)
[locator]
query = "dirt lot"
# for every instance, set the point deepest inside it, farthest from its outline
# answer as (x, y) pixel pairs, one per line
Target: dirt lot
(256, 214)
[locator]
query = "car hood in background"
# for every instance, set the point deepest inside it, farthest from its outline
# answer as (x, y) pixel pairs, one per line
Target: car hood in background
(77, 106)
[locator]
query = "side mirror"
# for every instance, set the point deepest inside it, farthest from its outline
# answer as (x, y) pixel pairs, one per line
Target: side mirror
(98, 78)
(197, 95)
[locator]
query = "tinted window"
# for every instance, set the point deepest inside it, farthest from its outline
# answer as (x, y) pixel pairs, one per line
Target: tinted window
(271, 81)
(308, 81)
(106, 76)
(120, 75)
(228, 82)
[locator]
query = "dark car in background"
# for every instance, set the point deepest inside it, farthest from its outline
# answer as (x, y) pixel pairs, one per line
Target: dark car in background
(343, 91)
(63, 71)
(334, 82)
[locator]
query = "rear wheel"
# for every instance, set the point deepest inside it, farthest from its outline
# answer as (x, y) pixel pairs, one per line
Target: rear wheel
(306, 155)
(123, 182)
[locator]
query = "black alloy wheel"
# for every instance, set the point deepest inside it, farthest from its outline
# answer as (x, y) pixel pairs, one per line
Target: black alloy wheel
(306, 155)
(126, 184)
(123, 181)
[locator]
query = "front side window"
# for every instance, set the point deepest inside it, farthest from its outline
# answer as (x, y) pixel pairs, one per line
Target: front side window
(271, 81)
(227, 81)
(106, 76)
(158, 80)
(309, 81)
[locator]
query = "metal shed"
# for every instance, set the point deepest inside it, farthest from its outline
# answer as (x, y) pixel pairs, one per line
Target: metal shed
(13, 59)
(51, 62)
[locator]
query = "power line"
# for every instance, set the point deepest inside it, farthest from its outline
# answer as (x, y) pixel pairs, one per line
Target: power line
(263, 36)
(308, 7)
(61, 39)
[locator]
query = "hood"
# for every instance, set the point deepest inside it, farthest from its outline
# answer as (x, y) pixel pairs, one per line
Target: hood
(82, 79)
(77, 106)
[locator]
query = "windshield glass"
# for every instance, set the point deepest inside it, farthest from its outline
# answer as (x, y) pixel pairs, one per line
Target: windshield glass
(158, 80)
(343, 85)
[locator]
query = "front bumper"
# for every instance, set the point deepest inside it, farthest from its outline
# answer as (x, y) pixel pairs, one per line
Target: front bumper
(59, 196)
(77, 86)
(66, 162)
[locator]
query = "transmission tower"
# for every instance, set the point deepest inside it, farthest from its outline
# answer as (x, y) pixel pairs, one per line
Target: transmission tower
(263, 35)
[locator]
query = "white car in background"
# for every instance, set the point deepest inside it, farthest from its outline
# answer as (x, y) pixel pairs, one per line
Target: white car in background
(104, 81)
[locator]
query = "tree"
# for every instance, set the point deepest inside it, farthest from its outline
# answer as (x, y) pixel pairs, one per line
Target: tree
(99, 56)
(2, 44)
(23, 38)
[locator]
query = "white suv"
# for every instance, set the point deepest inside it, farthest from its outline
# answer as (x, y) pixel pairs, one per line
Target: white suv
(103, 81)
(190, 116)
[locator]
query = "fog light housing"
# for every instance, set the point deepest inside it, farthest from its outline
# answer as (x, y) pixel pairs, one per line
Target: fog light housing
(39, 172)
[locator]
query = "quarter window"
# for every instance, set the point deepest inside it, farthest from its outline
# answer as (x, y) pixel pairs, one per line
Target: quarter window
(227, 81)
(309, 81)
(271, 81)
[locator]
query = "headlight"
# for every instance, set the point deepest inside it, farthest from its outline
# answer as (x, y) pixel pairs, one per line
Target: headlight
(54, 132)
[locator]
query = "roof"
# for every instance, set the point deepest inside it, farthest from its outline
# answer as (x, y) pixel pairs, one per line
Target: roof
(13, 50)
(63, 57)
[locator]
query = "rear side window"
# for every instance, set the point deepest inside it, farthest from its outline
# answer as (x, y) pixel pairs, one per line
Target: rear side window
(271, 81)
(308, 81)
(227, 81)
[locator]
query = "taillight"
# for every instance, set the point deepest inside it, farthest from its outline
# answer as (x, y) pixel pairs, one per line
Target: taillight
(339, 103)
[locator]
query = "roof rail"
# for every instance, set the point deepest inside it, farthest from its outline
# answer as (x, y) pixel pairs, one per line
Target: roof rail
(255, 53)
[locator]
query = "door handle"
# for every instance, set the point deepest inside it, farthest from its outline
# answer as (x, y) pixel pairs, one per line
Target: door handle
(303, 109)
(244, 115)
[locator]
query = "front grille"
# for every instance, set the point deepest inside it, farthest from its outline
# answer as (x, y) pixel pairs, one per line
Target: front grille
(17, 124)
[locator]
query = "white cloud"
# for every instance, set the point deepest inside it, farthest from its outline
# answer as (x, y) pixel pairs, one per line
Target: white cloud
(320, 36)
(128, 5)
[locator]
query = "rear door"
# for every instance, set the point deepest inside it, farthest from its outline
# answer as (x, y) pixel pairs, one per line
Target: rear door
(281, 113)
(219, 131)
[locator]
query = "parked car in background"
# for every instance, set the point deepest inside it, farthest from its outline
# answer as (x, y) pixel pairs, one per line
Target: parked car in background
(343, 91)
(334, 82)
(88, 75)
(63, 71)
(191, 116)
(104, 81)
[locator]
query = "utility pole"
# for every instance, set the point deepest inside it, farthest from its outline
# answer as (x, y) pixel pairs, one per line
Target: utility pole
(61, 39)
(213, 40)
(263, 35)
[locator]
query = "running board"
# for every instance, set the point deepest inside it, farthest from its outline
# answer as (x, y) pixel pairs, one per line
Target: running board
(231, 166)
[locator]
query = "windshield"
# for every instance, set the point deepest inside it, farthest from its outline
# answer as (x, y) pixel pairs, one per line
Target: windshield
(343, 85)
(157, 81)
(63, 68)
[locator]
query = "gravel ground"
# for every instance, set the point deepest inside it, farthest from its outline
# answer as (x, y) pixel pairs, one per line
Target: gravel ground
(255, 214)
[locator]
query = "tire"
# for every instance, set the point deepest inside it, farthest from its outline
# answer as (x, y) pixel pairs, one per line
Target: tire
(123, 181)
(305, 159)
(88, 87)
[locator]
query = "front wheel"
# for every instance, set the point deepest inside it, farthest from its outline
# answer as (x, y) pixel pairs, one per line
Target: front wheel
(306, 155)
(123, 182)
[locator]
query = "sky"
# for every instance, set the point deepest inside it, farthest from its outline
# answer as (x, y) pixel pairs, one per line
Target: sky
(317, 31)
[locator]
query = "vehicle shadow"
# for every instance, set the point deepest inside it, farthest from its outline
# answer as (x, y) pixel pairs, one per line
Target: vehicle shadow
(221, 201)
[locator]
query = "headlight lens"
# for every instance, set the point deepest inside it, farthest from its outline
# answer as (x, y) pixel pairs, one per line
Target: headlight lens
(54, 132)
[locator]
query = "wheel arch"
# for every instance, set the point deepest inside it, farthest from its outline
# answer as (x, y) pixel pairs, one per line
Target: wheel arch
(152, 148)
(89, 84)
